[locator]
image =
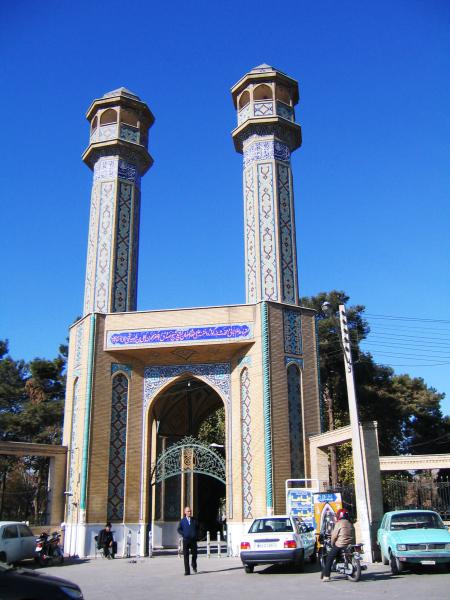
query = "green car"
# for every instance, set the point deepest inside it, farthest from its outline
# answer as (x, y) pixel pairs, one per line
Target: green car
(407, 537)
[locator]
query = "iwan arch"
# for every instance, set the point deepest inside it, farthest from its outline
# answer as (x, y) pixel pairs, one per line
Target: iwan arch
(140, 382)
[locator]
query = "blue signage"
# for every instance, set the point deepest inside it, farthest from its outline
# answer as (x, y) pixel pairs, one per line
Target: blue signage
(178, 335)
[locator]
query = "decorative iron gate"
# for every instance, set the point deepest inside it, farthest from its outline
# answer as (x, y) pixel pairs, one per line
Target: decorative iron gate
(189, 455)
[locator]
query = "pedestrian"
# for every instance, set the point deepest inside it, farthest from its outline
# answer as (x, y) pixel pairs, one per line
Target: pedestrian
(105, 541)
(342, 535)
(188, 529)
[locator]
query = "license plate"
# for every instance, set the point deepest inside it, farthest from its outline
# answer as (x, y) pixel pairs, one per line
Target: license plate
(266, 545)
(428, 562)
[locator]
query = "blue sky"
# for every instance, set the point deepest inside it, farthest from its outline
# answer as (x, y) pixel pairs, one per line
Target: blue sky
(372, 179)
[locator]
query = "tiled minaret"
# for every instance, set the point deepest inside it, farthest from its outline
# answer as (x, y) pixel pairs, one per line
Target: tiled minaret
(117, 154)
(266, 135)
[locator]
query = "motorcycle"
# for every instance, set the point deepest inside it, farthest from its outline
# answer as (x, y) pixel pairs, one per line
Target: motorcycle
(347, 562)
(48, 549)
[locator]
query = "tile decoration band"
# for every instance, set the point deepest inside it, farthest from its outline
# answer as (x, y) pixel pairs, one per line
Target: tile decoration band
(178, 335)
(117, 448)
(256, 150)
(247, 459)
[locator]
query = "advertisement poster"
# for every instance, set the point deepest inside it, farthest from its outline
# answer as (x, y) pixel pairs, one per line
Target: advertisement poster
(326, 506)
(300, 503)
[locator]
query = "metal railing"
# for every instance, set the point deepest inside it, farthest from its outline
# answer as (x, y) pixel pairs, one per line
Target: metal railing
(429, 494)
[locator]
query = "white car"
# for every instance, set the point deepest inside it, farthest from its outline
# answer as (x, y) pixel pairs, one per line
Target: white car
(17, 541)
(278, 539)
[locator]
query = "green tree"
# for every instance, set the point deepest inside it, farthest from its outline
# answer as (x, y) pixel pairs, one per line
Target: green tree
(12, 389)
(212, 430)
(425, 430)
(31, 410)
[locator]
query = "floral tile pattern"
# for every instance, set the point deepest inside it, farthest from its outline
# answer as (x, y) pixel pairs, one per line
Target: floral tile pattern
(117, 448)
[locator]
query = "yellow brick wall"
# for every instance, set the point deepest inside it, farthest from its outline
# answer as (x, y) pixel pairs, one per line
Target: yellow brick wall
(280, 408)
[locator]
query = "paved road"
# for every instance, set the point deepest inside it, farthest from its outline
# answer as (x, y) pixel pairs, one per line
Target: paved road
(161, 577)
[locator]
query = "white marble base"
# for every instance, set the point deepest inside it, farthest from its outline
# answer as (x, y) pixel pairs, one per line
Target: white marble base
(79, 538)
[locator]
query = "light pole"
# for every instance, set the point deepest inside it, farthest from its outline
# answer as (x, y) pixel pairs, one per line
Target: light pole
(362, 506)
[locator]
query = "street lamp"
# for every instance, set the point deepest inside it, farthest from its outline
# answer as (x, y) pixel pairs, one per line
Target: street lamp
(357, 450)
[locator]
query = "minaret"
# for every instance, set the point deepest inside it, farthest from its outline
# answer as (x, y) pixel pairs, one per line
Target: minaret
(117, 154)
(266, 135)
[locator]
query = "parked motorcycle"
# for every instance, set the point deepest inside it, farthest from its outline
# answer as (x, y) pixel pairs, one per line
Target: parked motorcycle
(348, 561)
(48, 549)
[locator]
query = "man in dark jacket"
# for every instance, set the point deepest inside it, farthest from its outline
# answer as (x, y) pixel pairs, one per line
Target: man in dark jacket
(342, 535)
(105, 540)
(188, 529)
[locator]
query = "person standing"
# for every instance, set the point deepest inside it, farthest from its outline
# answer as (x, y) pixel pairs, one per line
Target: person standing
(188, 529)
(342, 535)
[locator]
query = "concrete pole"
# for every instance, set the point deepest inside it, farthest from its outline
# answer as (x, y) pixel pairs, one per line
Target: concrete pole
(358, 463)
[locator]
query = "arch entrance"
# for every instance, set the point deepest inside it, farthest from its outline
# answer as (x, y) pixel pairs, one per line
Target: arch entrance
(188, 468)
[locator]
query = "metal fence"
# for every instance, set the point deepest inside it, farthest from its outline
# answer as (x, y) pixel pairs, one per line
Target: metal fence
(399, 494)
(425, 494)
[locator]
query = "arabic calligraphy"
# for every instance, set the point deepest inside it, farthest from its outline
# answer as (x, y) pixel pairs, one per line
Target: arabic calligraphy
(184, 334)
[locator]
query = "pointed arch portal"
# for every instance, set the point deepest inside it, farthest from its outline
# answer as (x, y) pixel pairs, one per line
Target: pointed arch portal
(189, 464)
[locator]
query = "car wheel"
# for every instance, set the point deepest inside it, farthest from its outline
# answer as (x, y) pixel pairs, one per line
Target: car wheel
(396, 565)
(3, 557)
(299, 564)
(249, 568)
(313, 557)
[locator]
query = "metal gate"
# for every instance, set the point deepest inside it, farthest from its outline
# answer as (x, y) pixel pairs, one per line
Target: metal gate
(189, 455)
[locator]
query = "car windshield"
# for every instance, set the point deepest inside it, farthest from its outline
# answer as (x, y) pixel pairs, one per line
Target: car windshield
(280, 525)
(416, 520)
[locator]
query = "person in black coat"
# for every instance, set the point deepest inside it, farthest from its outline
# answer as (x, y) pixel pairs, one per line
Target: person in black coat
(188, 529)
(105, 540)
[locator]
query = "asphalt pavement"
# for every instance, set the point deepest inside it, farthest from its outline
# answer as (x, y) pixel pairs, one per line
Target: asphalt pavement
(162, 577)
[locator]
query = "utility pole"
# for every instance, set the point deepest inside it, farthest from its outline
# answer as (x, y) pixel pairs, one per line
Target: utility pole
(362, 506)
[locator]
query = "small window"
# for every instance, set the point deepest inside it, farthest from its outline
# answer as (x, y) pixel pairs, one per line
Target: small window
(25, 531)
(128, 117)
(94, 123)
(282, 93)
(262, 92)
(10, 532)
(244, 99)
(108, 117)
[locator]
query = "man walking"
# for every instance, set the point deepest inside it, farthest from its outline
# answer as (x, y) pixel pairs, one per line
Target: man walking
(188, 529)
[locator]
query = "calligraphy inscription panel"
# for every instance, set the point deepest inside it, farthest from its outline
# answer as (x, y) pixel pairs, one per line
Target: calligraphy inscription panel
(179, 335)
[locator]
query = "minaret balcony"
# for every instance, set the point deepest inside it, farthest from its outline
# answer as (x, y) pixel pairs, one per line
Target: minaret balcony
(285, 111)
(128, 133)
(266, 108)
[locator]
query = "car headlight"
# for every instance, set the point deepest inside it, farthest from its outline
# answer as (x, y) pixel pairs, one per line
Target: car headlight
(401, 546)
(447, 546)
(72, 592)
